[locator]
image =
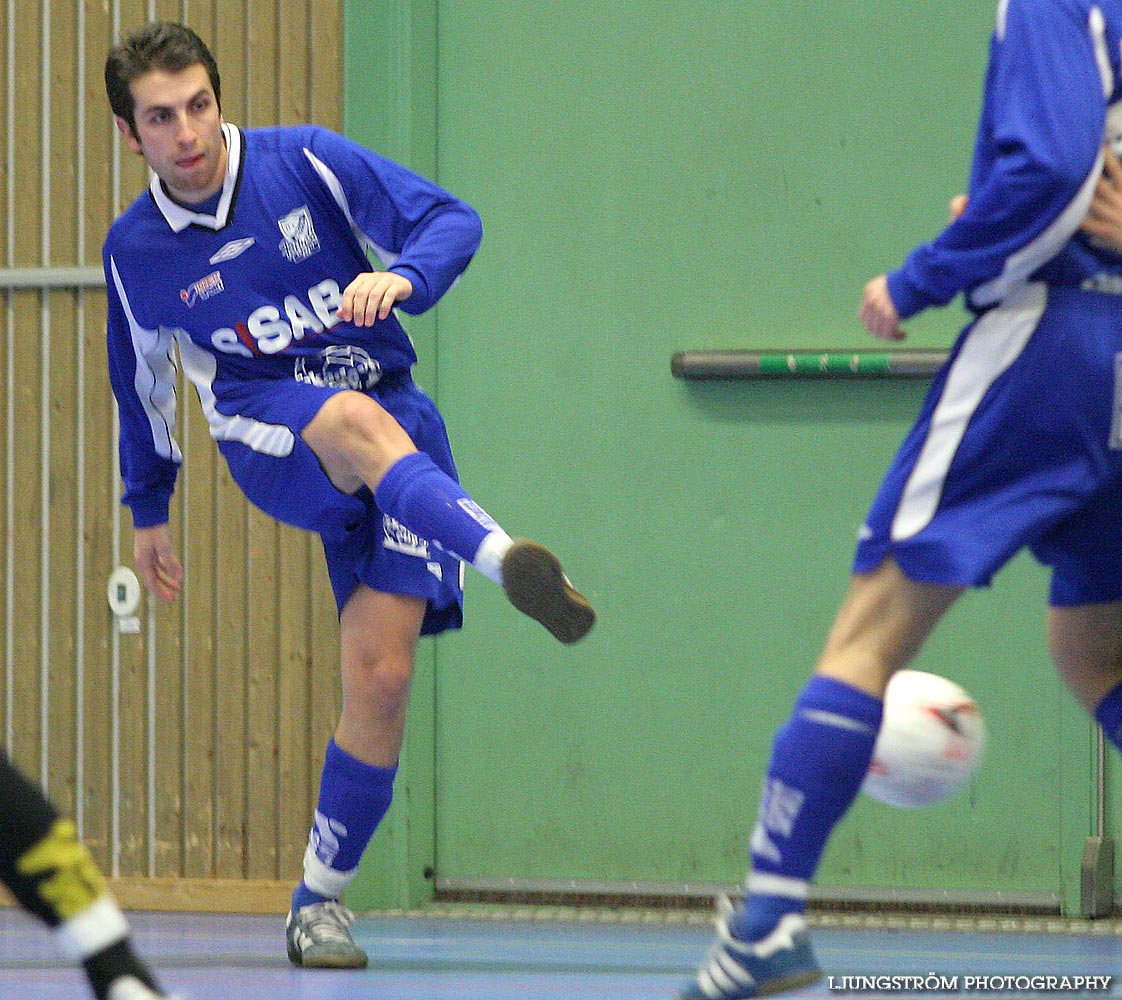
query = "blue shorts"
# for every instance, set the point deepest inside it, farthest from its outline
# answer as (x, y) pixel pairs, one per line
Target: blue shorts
(1018, 445)
(281, 475)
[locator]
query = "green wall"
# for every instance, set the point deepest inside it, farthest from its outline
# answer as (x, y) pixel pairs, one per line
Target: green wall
(656, 177)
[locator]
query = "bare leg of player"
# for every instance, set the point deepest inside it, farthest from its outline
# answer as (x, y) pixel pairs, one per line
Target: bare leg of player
(819, 761)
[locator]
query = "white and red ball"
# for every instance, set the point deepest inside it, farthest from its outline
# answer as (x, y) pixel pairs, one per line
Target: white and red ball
(930, 744)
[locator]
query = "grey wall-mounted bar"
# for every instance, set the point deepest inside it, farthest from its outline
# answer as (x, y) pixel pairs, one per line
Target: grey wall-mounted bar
(803, 364)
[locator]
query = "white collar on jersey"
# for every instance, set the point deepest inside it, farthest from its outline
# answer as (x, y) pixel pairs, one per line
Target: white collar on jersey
(180, 217)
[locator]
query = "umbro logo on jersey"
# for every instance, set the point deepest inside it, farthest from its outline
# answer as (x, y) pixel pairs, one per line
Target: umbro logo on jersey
(203, 289)
(235, 248)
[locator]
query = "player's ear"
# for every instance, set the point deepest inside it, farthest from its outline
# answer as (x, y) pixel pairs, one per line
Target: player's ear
(126, 130)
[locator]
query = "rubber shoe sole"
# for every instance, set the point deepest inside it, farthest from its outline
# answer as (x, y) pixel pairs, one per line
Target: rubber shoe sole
(536, 585)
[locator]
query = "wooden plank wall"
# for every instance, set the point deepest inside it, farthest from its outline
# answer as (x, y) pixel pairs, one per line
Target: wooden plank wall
(188, 753)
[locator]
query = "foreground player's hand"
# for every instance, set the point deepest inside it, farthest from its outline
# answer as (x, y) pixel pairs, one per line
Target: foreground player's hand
(156, 563)
(878, 313)
(1104, 217)
(372, 295)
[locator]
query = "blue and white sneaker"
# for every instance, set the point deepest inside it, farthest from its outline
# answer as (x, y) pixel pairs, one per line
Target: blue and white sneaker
(737, 970)
(319, 937)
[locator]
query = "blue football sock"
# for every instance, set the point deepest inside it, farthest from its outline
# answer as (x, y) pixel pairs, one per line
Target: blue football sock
(353, 798)
(1108, 714)
(818, 762)
(432, 505)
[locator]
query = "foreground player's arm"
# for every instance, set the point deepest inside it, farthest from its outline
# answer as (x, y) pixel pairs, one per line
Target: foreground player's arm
(420, 232)
(1032, 182)
(1104, 217)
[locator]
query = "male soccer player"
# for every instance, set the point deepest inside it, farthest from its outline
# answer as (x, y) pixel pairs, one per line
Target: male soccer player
(1018, 445)
(53, 876)
(248, 253)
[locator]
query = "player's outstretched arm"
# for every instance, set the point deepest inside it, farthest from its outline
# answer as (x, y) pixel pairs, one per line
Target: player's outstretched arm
(156, 562)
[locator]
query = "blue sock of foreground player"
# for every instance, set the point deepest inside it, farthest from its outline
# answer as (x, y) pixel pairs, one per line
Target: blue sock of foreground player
(431, 504)
(353, 798)
(1108, 714)
(818, 761)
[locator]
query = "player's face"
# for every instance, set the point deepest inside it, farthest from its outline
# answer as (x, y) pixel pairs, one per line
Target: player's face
(179, 132)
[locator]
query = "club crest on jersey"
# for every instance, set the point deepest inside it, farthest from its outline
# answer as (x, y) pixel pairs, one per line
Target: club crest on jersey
(300, 240)
(203, 289)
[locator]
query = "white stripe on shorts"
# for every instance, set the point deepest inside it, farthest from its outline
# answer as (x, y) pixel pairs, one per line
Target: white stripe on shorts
(993, 344)
(274, 440)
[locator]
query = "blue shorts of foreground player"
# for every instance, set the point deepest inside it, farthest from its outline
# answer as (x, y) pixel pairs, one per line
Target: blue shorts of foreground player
(1018, 445)
(360, 543)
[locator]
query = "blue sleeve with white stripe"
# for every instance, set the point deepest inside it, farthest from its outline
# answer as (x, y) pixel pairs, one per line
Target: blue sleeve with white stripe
(1036, 158)
(415, 227)
(142, 374)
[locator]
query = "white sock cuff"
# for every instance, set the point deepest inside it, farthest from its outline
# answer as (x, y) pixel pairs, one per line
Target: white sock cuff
(764, 884)
(98, 926)
(489, 558)
(326, 881)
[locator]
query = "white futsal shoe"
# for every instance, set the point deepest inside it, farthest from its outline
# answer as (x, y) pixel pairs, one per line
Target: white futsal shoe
(319, 937)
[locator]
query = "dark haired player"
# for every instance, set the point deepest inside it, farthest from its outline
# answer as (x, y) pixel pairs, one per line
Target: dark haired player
(248, 255)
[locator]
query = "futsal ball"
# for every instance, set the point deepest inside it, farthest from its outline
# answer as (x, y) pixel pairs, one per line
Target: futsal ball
(930, 744)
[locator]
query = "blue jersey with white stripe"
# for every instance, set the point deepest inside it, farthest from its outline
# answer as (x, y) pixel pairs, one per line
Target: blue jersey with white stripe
(1054, 68)
(250, 285)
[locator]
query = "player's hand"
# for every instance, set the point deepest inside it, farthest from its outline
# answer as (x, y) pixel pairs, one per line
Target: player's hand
(1104, 217)
(156, 563)
(878, 313)
(956, 207)
(372, 295)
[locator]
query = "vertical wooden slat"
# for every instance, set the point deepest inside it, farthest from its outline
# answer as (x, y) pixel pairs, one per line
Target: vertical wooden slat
(102, 495)
(25, 544)
(229, 41)
(266, 539)
(170, 639)
(204, 590)
(231, 520)
(294, 57)
(102, 490)
(325, 65)
(63, 584)
(65, 588)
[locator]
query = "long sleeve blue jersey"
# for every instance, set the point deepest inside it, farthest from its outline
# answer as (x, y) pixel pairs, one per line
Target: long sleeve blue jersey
(247, 291)
(1054, 68)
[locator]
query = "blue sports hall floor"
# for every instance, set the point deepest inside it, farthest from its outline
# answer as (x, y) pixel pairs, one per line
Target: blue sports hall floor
(516, 953)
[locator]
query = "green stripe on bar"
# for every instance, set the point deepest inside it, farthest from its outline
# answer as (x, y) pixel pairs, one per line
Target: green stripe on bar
(833, 363)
